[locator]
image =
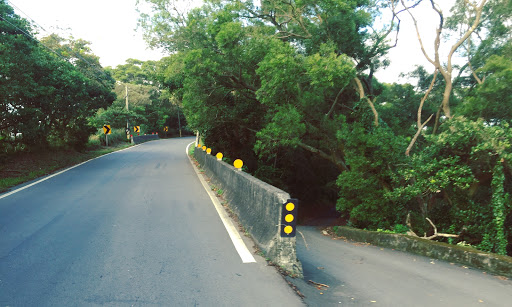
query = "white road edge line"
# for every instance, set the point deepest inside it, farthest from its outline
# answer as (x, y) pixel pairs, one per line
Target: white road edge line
(56, 174)
(233, 233)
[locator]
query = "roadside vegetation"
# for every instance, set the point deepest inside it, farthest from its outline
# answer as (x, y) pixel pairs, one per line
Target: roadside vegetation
(55, 98)
(289, 87)
(26, 166)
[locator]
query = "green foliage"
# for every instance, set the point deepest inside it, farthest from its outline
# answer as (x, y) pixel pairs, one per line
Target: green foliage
(499, 201)
(286, 129)
(117, 137)
(148, 105)
(397, 104)
(398, 228)
(134, 72)
(44, 99)
(278, 86)
(372, 155)
(487, 101)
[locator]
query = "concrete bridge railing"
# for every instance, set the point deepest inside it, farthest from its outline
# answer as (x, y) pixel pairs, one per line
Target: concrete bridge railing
(144, 138)
(258, 206)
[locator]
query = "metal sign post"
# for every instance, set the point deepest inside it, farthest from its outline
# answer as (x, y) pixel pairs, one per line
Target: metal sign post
(106, 131)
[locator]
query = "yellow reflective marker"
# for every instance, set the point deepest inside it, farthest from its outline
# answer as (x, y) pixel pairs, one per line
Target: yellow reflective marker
(238, 164)
(209, 151)
(288, 229)
(219, 156)
(204, 148)
(289, 218)
(290, 206)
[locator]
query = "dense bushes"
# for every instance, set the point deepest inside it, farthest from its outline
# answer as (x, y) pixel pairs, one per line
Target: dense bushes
(289, 87)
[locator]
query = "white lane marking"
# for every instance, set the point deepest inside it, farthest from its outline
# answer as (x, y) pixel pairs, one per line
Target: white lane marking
(233, 233)
(56, 174)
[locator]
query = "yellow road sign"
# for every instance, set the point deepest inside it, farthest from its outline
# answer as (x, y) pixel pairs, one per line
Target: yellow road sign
(106, 129)
(136, 128)
(166, 128)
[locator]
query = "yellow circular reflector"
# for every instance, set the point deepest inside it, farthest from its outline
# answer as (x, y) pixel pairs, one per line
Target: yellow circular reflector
(204, 148)
(219, 156)
(290, 206)
(288, 229)
(238, 163)
(289, 218)
(208, 150)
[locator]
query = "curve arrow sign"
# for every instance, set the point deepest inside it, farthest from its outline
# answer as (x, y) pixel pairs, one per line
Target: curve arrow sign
(106, 129)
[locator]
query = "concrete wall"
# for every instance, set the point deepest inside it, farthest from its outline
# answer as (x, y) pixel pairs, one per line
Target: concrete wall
(144, 138)
(492, 263)
(258, 206)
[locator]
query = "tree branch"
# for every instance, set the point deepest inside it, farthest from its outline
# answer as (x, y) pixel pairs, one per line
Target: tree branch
(335, 102)
(362, 95)
(420, 109)
(435, 235)
(475, 24)
(418, 31)
(337, 161)
(468, 64)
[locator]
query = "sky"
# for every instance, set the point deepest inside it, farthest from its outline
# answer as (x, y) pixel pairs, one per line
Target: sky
(407, 54)
(110, 26)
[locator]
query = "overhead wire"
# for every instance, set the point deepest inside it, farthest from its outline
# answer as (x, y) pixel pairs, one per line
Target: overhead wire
(33, 38)
(14, 5)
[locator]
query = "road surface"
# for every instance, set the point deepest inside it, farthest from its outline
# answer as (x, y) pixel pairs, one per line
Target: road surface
(136, 228)
(133, 228)
(364, 275)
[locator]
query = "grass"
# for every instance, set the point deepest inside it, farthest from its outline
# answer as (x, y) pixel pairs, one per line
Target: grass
(22, 167)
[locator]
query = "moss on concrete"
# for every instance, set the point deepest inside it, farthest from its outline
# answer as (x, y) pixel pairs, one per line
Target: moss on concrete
(492, 263)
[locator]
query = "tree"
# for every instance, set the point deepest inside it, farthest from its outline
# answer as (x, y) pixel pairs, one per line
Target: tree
(489, 99)
(475, 9)
(45, 99)
(135, 72)
(289, 87)
(149, 103)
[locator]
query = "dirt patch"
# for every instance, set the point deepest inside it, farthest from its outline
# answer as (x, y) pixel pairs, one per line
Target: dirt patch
(22, 167)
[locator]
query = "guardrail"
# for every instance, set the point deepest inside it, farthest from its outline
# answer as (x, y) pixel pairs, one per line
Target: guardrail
(144, 138)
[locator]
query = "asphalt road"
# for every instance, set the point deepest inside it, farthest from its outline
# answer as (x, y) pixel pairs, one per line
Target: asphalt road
(133, 228)
(364, 275)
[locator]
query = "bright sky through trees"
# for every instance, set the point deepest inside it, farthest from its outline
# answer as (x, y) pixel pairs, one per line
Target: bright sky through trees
(111, 28)
(109, 25)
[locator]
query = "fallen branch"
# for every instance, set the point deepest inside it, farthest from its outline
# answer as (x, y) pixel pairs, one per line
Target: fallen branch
(435, 235)
(408, 223)
(318, 284)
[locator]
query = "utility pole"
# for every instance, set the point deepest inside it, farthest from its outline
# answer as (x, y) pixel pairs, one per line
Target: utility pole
(127, 122)
(179, 122)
